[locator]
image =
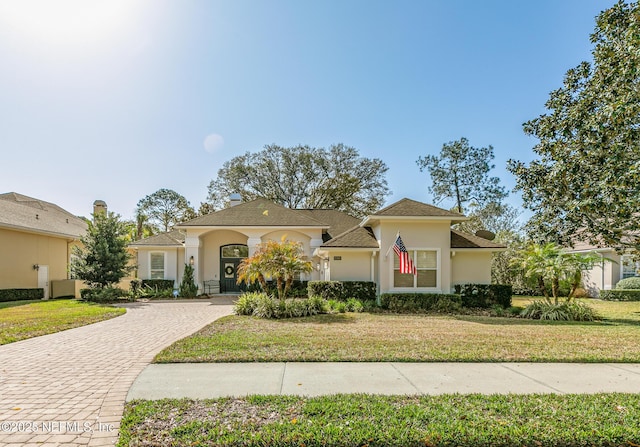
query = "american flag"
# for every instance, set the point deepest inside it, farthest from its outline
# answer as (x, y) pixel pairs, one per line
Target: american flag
(406, 264)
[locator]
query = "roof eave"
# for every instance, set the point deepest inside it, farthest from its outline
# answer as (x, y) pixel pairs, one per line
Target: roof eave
(452, 219)
(71, 237)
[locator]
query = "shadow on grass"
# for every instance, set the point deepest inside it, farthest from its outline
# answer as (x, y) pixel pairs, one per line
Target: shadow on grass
(320, 319)
(8, 304)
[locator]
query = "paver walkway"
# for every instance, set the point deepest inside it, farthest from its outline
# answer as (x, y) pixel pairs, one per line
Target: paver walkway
(69, 388)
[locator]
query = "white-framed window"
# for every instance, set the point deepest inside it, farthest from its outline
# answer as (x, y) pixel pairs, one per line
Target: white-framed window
(427, 266)
(630, 266)
(156, 265)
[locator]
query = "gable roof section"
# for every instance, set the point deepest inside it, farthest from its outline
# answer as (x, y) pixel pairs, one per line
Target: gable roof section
(256, 213)
(356, 237)
(20, 212)
(173, 238)
(465, 240)
(412, 208)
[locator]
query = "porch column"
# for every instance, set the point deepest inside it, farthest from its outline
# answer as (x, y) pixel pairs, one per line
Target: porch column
(252, 244)
(192, 250)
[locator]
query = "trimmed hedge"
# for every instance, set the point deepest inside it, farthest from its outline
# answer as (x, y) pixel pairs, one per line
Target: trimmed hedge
(632, 283)
(484, 295)
(298, 288)
(411, 302)
(343, 290)
(20, 294)
(620, 295)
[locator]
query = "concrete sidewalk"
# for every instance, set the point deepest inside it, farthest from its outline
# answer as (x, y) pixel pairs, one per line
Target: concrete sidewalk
(211, 380)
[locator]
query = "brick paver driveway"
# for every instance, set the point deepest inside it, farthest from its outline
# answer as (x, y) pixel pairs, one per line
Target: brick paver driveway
(69, 388)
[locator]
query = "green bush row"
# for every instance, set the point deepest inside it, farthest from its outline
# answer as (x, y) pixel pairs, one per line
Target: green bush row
(105, 295)
(343, 290)
(620, 295)
(412, 302)
(298, 288)
(484, 295)
(21, 294)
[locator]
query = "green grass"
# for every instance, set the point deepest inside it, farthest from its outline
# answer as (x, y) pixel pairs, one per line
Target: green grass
(393, 337)
(20, 320)
(359, 420)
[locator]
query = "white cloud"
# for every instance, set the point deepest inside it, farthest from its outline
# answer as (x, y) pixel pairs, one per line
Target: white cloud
(213, 143)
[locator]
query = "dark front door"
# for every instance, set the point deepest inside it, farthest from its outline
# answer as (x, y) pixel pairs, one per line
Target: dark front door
(229, 275)
(230, 257)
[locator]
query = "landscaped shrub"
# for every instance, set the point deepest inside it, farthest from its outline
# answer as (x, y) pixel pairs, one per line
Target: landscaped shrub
(103, 295)
(264, 306)
(343, 290)
(188, 288)
(620, 295)
(412, 302)
(632, 283)
(484, 295)
(566, 311)
(21, 294)
(158, 284)
(157, 288)
(247, 303)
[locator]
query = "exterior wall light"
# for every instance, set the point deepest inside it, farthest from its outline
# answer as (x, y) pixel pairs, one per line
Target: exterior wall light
(191, 261)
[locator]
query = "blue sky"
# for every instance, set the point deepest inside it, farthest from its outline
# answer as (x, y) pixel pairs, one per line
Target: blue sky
(115, 100)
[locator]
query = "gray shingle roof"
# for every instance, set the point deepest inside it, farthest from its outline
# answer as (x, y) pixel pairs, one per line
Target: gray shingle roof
(169, 239)
(466, 240)
(25, 213)
(356, 237)
(407, 207)
(256, 213)
(338, 221)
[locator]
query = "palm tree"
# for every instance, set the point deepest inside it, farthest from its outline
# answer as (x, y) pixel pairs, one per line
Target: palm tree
(278, 260)
(549, 264)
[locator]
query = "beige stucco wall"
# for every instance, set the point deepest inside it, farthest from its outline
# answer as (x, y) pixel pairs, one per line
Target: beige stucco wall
(415, 235)
(173, 263)
(20, 251)
(354, 265)
(470, 267)
(604, 276)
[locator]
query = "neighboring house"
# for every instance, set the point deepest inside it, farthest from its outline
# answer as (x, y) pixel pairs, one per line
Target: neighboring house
(36, 238)
(340, 246)
(614, 267)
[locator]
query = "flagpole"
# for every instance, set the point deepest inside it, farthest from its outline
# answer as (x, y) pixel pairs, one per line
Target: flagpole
(386, 255)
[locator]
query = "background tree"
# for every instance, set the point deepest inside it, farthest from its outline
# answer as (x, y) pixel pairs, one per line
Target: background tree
(304, 177)
(461, 173)
(585, 183)
(102, 260)
(162, 210)
(278, 260)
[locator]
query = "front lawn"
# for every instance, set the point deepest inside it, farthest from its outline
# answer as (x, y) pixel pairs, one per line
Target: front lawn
(26, 319)
(359, 420)
(415, 338)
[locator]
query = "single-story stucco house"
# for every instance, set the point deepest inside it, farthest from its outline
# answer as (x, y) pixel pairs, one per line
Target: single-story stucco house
(605, 275)
(341, 247)
(36, 238)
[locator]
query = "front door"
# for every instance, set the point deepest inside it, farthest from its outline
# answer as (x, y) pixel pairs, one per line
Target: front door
(230, 257)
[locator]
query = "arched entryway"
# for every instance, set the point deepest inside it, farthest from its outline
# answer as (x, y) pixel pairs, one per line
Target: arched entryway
(230, 257)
